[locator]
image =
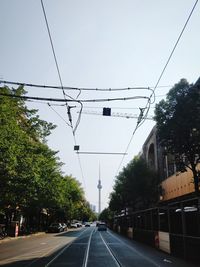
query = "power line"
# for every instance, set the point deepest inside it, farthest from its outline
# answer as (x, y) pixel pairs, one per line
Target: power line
(79, 160)
(52, 46)
(59, 75)
(149, 103)
(73, 100)
(171, 54)
(58, 114)
(81, 88)
(64, 94)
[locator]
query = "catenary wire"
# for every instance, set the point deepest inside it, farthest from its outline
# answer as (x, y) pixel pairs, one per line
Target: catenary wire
(149, 102)
(72, 100)
(64, 94)
(59, 75)
(74, 142)
(170, 56)
(58, 114)
(81, 88)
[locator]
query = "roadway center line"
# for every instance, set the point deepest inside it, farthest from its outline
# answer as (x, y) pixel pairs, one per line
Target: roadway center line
(85, 260)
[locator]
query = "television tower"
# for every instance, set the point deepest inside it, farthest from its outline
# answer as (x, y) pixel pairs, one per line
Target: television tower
(99, 186)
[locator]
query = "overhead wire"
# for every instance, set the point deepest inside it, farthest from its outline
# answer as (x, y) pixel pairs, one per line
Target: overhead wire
(79, 160)
(58, 70)
(64, 94)
(149, 102)
(72, 100)
(58, 114)
(82, 88)
(170, 56)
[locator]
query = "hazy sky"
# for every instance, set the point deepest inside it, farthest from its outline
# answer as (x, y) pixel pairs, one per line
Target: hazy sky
(98, 44)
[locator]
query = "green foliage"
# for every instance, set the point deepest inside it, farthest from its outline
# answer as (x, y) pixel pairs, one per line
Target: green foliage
(30, 172)
(178, 124)
(106, 215)
(135, 187)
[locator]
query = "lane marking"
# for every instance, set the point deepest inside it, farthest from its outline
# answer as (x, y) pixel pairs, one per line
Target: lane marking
(85, 260)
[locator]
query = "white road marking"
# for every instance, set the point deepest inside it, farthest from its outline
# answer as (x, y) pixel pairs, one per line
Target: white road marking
(85, 261)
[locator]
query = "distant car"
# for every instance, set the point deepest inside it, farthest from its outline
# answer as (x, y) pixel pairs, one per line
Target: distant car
(102, 226)
(87, 225)
(55, 228)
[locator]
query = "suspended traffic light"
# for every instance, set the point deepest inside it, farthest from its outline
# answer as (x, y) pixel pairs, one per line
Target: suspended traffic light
(106, 111)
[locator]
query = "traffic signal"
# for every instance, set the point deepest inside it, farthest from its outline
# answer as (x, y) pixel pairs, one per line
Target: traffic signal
(76, 148)
(106, 111)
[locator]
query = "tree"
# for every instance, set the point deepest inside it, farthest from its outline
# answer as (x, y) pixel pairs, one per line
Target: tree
(178, 125)
(31, 180)
(27, 165)
(135, 187)
(106, 215)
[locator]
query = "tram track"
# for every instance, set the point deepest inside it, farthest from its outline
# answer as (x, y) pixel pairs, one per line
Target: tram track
(88, 247)
(99, 249)
(116, 242)
(118, 264)
(90, 254)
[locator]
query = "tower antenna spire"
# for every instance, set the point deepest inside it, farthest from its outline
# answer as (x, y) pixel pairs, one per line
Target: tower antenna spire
(99, 186)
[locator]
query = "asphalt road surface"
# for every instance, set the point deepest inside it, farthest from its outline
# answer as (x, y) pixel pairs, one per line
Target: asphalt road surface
(85, 247)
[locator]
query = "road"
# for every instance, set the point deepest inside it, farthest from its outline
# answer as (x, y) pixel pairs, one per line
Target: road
(85, 247)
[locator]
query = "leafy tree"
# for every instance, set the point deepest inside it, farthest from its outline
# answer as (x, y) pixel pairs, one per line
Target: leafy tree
(106, 215)
(26, 163)
(135, 186)
(178, 124)
(31, 180)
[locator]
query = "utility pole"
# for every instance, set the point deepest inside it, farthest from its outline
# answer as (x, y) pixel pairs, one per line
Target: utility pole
(99, 186)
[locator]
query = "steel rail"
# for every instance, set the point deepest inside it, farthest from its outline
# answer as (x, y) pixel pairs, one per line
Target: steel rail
(134, 250)
(63, 250)
(118, 264)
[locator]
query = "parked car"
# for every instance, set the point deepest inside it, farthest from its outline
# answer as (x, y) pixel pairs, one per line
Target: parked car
(102, 226)
(79, 224)
(64, 226)
(55, 228)
(73, 225)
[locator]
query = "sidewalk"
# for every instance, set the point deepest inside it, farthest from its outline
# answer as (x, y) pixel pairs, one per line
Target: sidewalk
(9, 238)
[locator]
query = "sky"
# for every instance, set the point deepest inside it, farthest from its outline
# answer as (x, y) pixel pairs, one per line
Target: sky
(98, 44)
